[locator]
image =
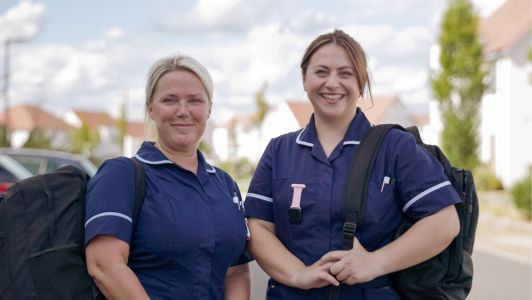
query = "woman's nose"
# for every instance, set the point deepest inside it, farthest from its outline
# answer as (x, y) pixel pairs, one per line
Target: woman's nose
(182, 110)
(332, 82)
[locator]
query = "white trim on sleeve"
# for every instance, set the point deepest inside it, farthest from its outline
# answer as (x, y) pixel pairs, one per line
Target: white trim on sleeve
(260, 197)
(105, 214)
(424, 193)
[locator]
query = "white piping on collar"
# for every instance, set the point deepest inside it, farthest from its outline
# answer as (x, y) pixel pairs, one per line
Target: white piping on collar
(212, 170)
(208, 167)
(300, 142)
(149, 162)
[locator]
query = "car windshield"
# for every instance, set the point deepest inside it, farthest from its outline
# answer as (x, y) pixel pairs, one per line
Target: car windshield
(40, 162)
(14, 167)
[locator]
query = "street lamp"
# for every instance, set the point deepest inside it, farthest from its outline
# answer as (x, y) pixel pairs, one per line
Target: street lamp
(7, 45)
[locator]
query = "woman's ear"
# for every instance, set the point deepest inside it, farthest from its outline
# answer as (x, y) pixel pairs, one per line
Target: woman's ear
(304, 79)
(150, 110)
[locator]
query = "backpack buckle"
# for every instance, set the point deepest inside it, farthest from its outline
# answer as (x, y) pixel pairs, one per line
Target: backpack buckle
(349, 230)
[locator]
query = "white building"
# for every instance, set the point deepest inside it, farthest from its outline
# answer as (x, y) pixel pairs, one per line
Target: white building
(104, 124)
(236, 139)
(506, 109)
(135, 136)
(24, 118)
(506, 127)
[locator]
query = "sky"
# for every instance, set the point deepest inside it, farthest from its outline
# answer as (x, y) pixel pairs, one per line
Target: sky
(94, 55)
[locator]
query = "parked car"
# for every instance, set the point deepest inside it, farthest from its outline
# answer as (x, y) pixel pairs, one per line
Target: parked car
(40, 161)
(11, 171)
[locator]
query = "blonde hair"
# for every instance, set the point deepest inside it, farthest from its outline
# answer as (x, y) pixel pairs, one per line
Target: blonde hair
(167, 64)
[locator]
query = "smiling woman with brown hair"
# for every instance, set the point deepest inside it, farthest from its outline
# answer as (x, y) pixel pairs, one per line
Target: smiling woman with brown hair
(294, 202)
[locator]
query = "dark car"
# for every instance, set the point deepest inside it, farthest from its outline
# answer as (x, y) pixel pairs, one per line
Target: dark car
(11, 171)
(40, 161)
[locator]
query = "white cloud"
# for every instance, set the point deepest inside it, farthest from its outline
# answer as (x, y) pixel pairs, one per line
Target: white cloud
(242, 43)
(370, 36)
(114, 33)
(22, 21)
(211, 12)
(408, 40)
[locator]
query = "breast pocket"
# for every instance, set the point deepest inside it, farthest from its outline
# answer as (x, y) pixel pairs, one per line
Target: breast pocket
(381, 207)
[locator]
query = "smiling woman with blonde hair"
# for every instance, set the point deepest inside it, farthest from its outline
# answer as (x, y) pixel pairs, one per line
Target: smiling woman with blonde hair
(189, 242)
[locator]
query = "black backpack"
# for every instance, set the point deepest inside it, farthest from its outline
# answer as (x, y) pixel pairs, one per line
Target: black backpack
(42, 227)
(448, 275)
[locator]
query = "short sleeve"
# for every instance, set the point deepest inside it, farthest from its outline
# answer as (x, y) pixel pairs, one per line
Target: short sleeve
(259, 200)
(422, 184)
(244, 258)
(110, 200)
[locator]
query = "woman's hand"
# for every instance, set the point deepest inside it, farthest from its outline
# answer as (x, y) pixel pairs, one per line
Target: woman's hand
(314, 276)
(353, 266)
(430, 236)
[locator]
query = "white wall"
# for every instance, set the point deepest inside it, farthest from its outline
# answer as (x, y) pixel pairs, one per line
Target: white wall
(277, 122)
(506, 125)
(248, 144)
(220, 143)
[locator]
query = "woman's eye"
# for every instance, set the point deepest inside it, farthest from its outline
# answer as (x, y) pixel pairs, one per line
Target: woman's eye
(196, 100)
(346, 74)
(321, 73)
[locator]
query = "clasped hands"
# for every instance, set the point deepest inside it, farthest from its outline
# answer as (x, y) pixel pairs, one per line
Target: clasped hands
(343, 266)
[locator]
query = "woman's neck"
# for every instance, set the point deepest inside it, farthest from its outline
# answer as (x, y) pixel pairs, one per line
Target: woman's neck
(188, 160)
(332, 131)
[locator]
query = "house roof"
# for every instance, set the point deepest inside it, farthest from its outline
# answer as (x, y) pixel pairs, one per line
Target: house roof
(301, 111)
(375, 110)
(29, 117)
(135, 129)
(421, 119)
(94, 118)
(244, 120)
(507, 25)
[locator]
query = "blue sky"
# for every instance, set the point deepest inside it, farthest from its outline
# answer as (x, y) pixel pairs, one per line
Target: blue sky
(86, 54)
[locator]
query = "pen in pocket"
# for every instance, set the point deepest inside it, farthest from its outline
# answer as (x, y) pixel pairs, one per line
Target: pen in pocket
(385, 180)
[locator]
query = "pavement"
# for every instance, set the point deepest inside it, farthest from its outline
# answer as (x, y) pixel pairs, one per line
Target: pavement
(502, 230)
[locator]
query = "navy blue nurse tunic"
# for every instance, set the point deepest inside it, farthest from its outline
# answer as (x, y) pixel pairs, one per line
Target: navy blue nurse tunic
(190, 230)
(405, 180)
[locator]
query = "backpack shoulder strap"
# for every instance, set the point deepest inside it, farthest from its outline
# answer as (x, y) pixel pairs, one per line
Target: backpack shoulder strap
(356, 184)
(415, 132)
(356, 187)
(140, 189)
(432, 149)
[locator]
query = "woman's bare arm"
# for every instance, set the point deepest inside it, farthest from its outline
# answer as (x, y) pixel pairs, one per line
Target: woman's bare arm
(107, 264)
(280, 264)
(425, 239)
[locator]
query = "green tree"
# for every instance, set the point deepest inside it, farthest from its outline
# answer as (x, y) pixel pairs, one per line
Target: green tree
(459, 85)
(522, 195)
(84, 140)
(4, 141)
(262, 105)
(38, 139)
